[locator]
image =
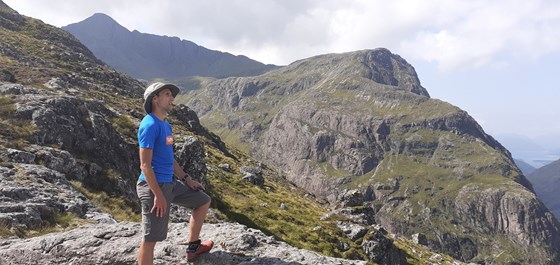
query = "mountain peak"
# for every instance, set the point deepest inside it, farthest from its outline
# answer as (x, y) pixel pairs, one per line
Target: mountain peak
(97, 21)
(101, 17)
(3, 5)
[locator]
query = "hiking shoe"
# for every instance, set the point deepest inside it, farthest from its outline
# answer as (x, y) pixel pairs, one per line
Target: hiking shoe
(194, 251)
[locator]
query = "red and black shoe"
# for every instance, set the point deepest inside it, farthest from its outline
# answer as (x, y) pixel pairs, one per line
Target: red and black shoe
(196, 248)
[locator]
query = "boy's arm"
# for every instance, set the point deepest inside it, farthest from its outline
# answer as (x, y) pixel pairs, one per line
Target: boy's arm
(183, 176)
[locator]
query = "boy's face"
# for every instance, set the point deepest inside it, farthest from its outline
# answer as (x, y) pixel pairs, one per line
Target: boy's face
(163, 100)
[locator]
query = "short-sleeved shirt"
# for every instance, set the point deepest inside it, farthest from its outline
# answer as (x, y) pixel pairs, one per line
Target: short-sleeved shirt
(156, 134)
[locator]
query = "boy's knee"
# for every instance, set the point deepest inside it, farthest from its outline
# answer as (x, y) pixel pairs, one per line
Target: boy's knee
(148, 245)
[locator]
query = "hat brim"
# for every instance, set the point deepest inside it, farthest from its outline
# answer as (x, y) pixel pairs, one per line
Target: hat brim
(148, 102)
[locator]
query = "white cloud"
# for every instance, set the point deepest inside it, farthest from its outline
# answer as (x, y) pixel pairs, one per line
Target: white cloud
(455, 34)
(489, 32)
(480, 46)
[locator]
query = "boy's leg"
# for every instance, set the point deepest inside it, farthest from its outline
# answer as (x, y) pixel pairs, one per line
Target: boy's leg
(154, 228)
(146, 253)
(200, 203)
(197, 220)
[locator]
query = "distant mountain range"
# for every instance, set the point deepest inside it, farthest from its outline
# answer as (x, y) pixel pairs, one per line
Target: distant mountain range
(525, 167)
(546, 181)
(149, 56)
(535, 152)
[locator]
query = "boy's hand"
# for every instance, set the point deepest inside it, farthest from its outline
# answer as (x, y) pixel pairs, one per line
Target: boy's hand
(193, 184)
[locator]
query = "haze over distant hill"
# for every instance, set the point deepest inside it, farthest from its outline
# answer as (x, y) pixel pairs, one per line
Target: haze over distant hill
(525, 167)
(546, 182)
(151, 56)
(535, 152)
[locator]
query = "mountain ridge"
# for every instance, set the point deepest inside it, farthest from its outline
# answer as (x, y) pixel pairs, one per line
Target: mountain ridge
(545, 180)
(151, 56)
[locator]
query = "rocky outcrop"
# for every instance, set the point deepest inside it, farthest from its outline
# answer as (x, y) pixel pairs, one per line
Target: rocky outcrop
(66, 127)
(33, 196)
(118, 244)
(185, 116)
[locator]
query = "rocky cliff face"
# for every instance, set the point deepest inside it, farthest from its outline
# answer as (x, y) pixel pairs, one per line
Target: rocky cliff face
(363, 121)
(150, 56)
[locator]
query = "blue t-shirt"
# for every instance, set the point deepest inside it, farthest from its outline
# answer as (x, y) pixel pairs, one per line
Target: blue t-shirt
(156, 134)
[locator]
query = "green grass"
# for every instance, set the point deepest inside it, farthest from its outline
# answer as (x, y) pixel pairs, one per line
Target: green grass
(115, 206)
(5, 232)
(59, 222)
(124, 125)
(419, 254)
(259, 207)
(14, 132)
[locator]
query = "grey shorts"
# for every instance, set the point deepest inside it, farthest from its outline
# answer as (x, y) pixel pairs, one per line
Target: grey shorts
(155, 228)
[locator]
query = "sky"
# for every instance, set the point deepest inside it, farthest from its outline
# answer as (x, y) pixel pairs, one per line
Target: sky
(499, 60)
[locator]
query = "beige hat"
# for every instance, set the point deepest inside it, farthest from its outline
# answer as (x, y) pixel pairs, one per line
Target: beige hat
(153, 89)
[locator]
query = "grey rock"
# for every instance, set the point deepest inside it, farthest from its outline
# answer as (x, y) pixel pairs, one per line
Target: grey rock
(7, 76)
(45, 194)
(343, 246)
(190, 155)
(18, 156)
(254, 179)
(419, 238)
(188, 118)
(380, 249)
(250, 170)
(352, 231)
(358, 215)
(226, 167)
(15, 89)
(252, 175)
(118, 244)
(349, 198)
(56, 83)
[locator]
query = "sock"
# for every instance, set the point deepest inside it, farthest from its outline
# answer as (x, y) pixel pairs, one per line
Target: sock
(193, 246)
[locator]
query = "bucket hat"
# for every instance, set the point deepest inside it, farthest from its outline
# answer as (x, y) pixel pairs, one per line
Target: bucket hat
(155, 88)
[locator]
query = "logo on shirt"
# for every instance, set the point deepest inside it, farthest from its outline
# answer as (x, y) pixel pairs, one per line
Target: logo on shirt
(169, 140)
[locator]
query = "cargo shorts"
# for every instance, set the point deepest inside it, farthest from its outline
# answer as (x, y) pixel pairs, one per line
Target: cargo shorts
(154, 227)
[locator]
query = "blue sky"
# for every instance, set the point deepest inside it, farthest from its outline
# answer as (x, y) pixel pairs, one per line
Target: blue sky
(498, 60)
